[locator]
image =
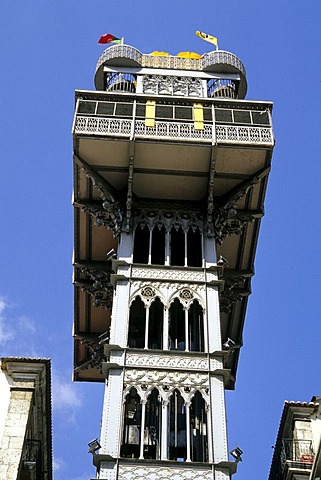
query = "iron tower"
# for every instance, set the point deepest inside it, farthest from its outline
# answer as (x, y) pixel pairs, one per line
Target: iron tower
(170, 173)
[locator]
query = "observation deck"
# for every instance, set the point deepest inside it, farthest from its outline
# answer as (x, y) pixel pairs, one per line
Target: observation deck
(125, 56)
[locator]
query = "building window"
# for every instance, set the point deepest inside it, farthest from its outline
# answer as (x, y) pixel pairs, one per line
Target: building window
(141, 245)
(195, 328)
(194, 248)
(176, 326)
(153, 426)
(158, 246)
(186, 327)
(132, 421)
(137, 323)
(177, 427)
(199, 447)
(185, 424)
(177, 247)
(155, 325)
(145, 329)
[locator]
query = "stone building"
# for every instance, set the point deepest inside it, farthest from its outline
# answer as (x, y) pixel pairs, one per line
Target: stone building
(297, 452)
(170, 172)
(25, 419)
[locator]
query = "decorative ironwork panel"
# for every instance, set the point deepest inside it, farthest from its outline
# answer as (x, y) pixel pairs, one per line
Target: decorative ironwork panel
(167, 378)
(221, 57)
(250, 135)
(171, 62)
(141, 472)
(169, 85)
(181, 275)
(173, 131)
(116, 51)
(106, 126)
(186, 362)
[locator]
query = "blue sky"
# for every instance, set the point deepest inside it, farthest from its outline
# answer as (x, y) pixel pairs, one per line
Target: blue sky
(49, 48)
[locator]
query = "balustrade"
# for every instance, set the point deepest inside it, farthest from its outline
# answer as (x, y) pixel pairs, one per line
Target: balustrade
(173, 122)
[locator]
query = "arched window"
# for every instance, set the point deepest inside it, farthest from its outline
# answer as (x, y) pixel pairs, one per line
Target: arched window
(153, 426)
(158, 246)
(177, 427)
(195, 328)
(132, 420)
(137, 324)
(176, 326)
(155, 325)
(177, 247)
(141, 245)
(194, 248)
(199, 446)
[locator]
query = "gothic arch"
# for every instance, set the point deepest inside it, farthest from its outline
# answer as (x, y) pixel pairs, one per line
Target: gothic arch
(148, 293)
(186, 296)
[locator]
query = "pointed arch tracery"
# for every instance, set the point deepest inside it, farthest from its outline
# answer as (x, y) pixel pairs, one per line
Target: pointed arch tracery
(164, 237)
(146, 319)
(186, 322)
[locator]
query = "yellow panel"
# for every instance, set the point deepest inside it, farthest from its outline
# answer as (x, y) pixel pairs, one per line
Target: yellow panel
(150, 113)
(198, 116)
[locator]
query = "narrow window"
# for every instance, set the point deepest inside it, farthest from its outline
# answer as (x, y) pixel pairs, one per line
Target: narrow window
(153, 421)
(158, 246)
(177, 247)
(194, 248)
(137, 322)
(132, 422)
(141, 245)
(176, 326)
(155, 326)
(199, 448)
(177, 427)
(195, 328)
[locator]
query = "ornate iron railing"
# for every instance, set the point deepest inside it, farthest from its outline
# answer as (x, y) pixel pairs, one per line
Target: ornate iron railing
(297, 453)
(222, 57)
(103, 126)
(240, 134)
(216, 57)
(173, 122)
(173, 131)
(121, 82)
(120, 51)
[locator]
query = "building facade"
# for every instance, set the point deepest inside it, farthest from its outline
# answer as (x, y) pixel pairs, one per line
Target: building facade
(170, 172)
(25, 419)
(297, 451)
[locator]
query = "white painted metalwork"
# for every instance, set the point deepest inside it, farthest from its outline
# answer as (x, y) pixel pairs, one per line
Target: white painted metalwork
(105, 126)
(177, 131)
(222, 57)
(141, 471)
(116, 51)
(249, 135)
(173, 131)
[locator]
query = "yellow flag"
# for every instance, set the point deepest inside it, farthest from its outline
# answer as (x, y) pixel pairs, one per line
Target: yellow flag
(208, 38)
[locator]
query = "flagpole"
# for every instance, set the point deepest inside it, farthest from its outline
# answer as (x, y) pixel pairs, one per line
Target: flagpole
(122, 41)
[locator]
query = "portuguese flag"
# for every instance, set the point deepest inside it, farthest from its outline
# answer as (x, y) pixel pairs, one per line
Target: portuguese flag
(109, 38)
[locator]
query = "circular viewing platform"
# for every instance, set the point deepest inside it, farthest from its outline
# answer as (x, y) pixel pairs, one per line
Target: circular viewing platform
(126, 56)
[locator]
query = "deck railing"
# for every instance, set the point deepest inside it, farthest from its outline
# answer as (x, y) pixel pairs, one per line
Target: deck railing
(174, 122)
(297, 453)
